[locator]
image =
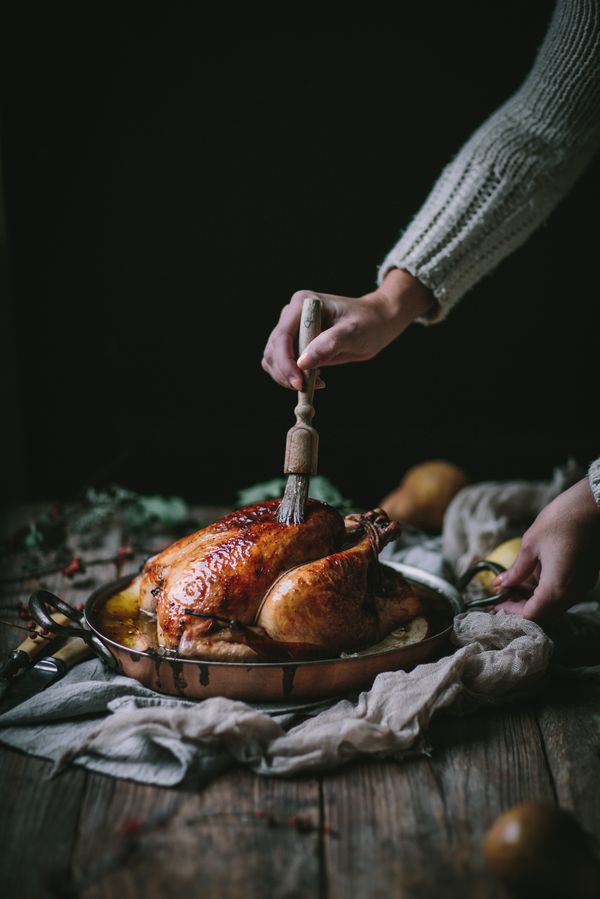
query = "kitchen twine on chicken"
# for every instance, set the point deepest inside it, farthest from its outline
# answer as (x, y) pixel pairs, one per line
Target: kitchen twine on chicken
(113, 725)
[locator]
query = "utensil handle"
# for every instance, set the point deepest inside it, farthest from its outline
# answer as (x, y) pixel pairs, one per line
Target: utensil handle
(38, 603)
(74, 651)
(302, 446)
(310, 327)
(38, 606)
(33, 647)
(468, 576)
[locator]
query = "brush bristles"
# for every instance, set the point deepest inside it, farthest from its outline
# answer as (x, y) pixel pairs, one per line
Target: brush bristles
(291, 510)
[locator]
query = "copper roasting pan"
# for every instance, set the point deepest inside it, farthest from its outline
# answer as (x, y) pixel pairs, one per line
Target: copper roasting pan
(266, 681)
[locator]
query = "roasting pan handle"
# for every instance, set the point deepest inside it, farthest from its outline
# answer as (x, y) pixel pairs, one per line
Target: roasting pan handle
(487, 600)
(38, 606)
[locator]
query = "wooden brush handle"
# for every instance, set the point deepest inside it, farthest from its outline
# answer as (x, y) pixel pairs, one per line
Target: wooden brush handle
(302, 447)
(310, 327)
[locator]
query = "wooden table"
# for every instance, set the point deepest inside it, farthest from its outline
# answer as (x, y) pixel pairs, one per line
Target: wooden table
(374, 829)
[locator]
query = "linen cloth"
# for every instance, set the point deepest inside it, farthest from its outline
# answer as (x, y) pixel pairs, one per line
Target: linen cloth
(482, 516)
(112, 724)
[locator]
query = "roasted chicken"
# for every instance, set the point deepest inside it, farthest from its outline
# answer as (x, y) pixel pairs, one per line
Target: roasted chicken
(250, 588)
(345, 600)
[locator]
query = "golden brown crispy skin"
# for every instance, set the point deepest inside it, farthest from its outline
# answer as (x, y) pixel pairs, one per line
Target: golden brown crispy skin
(226, 568)
(277, 592)
(344, 601)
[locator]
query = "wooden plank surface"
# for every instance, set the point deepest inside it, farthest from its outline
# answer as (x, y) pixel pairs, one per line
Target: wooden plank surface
(40, 816)
(571, 738)
(411, 830)
(235, 838)
(415, 829)
(38, 824)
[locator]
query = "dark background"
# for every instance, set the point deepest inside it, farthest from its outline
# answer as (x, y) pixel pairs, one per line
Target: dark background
(171, 177)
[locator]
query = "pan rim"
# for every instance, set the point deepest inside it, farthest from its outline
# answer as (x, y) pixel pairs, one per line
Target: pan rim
(444, 590)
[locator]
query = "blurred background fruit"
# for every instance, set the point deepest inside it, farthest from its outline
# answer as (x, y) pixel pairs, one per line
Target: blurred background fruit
(539, 850)
(424, 494)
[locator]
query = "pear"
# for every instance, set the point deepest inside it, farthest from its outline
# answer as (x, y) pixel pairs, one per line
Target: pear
(505, 555)
(424, 494)
(539, 850)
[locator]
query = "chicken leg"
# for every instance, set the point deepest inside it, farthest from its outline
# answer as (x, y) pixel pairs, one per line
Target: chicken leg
(343, 601)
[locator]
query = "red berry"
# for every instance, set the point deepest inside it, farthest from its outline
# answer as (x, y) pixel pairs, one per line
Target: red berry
(74, 566)
(130, 827)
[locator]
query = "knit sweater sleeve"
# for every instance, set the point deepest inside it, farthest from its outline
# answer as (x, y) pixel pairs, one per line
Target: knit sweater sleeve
(514, 169)
(594, 479)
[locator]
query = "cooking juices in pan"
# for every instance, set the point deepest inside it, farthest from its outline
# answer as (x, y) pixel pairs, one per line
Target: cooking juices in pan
(121, 620)
(125, 638)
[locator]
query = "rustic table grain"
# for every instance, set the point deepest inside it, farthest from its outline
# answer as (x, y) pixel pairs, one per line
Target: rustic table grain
(411, 830)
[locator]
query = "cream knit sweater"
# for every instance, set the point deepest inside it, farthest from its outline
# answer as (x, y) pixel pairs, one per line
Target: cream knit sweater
(594, 479)
(513, 170)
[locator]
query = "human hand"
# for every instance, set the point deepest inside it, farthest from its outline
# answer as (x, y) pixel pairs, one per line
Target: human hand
(354, 328)
(562, 550)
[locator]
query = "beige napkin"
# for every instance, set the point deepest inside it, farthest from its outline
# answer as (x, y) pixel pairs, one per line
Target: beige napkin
(152, 738)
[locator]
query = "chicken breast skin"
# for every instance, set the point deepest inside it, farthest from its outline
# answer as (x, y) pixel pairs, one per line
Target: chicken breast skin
(226, 568)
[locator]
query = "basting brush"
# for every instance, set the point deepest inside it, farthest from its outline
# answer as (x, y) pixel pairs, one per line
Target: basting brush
(302, 444)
